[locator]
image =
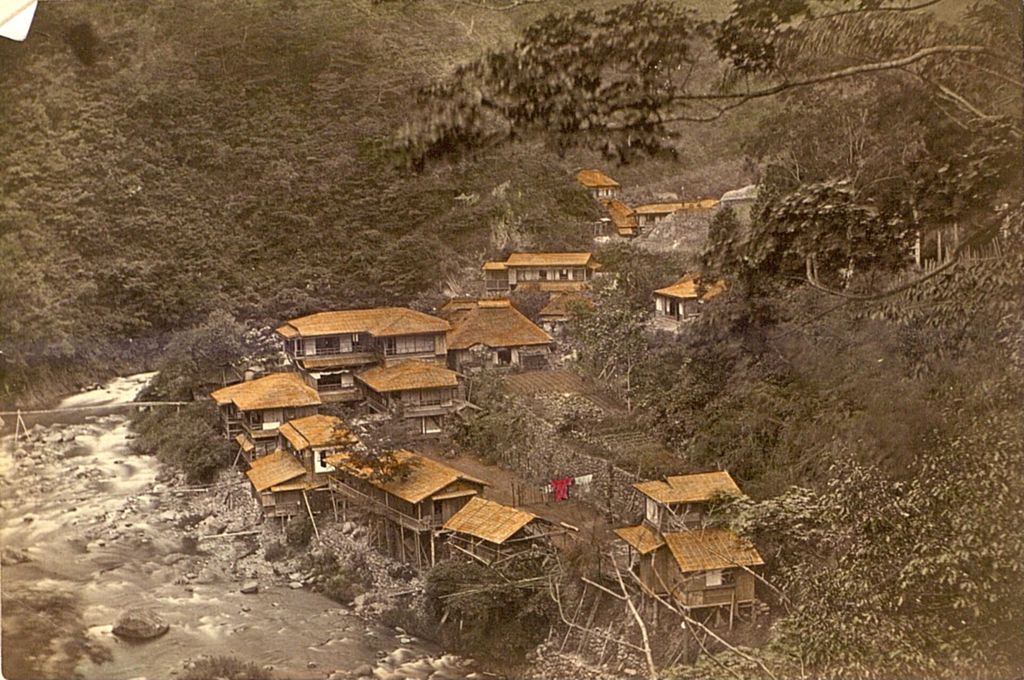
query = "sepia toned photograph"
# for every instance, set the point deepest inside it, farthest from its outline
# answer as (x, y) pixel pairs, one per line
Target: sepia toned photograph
(511, 339)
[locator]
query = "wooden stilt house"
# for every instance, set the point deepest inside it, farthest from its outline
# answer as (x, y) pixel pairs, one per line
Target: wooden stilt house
(277, 480)
(675, 556)
(310, 441)
(411, 495)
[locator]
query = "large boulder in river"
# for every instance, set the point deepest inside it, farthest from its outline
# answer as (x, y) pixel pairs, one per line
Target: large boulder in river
(139, 624)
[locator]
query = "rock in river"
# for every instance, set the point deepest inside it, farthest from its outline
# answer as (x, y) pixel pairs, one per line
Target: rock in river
(12, 556)
(250, 587)
(140, 624)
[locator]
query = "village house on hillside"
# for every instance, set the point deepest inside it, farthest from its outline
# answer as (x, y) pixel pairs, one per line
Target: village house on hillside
(419, 392)
(252, 411)
(490, 532)
(412, 500)
(278, 482)
(312, 439)
(549, 272)
(678, 501)
(651, 214)
(740, 201)
(700, 568)
(682, 302)
(622, 217)
(329, 348)
(493, 333)
(556, 313)
(597, 183)
(293, 479)
(675, 556)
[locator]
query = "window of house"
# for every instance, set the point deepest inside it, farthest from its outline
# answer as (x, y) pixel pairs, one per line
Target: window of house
(431, 425)
(652, 512)
(328, 345)
(543, 274)
(410, 344)
(320, 462)
(329, 380)
(563, 274)
(298, 347)
(713, 578)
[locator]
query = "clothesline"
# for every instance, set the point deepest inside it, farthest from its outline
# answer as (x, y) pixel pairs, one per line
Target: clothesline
(560, 487)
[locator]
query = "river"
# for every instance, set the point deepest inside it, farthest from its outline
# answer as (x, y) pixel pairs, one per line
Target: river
(102, 532)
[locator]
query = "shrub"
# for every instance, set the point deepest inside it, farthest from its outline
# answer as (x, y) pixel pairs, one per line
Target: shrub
(226, 667)
(189, 438)
(275, 551)
(488, 616)
(411, 618)
(299, 531)
(342, 581)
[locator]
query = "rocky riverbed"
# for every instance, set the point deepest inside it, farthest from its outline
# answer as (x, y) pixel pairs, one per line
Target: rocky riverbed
(90, 531)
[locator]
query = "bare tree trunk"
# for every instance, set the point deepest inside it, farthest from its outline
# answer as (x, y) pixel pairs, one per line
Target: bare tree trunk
(652, 669)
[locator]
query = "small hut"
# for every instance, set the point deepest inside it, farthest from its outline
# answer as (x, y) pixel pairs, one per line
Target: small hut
(490, 532)
(278, 481)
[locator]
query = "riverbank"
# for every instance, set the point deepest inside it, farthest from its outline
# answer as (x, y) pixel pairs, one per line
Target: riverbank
(90, 530)
(44, 385)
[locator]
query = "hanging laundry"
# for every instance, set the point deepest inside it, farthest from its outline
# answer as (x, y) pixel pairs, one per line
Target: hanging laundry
(561, 488)
(583, 482)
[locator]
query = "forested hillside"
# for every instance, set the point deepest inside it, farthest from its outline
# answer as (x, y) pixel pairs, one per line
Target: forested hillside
(165, 160)
(862, 377)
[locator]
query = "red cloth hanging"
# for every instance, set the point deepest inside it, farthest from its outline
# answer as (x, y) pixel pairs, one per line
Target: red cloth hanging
(561, 488)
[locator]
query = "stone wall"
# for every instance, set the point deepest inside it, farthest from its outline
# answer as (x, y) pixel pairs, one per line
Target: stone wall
(554, 457)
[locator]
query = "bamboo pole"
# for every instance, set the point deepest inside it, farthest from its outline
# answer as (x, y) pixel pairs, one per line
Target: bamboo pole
(311, 519)
(230, 535)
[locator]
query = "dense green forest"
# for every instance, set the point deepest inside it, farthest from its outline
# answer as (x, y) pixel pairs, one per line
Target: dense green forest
(172, 170)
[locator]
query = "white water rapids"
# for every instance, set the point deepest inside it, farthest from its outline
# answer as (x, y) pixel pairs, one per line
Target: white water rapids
(96, 526)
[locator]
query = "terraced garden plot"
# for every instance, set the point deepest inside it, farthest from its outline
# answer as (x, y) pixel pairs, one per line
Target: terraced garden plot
(561, 381)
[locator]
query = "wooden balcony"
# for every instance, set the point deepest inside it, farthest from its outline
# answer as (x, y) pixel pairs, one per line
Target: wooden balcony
(259, 433)
(421, 410)
(379, 507)
(329, 360)
(335, 393)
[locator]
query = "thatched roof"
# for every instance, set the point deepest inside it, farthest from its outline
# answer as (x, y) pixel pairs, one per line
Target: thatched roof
(694, 488)
(379, 322)
(277, 390)
(488, 520)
